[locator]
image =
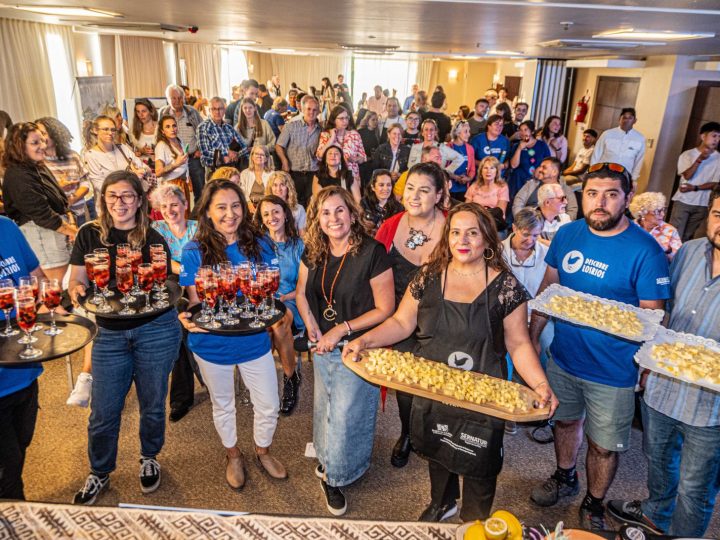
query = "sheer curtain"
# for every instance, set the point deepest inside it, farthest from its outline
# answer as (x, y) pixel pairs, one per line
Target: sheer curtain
(308, 70)
(424, 70)
(204, 68)
(26, 85)
(140, 67)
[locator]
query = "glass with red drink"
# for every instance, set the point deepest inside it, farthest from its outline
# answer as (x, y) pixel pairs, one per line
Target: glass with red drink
(272, 286)
(229, 292)
(101, 273)
(89, 259)
(51, 292)
(26, 317)
(124, 282)
(103, 253)
(123, 250)
(31, 286)
(211, 287)
(136, 259)
(7, 302)
(146, 280)
(159, 266)
(256, 294)
(244, 271)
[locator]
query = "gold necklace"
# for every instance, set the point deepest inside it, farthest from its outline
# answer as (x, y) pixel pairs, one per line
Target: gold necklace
(468, 274)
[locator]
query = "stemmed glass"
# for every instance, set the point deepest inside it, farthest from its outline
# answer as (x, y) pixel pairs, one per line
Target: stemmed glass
(146, 280)
(136, 260)
(229, 291)
(159, 266)
(7, 302)
(256, 294)
(200, 291)
(273, 273)
(51, 291)
(26, 317)
(124, 281)
(210, 284)
(244, 271)
(103, 254)
(30, 286)
(89, 260)
(155, 251)
(101, 273)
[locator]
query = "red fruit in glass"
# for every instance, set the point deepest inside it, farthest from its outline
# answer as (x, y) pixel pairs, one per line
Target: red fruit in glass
(245, 285)
(146, 279)
(26, 316)
(200, 288)
(211, 292)
(135, 260)
(36, 291)
(160, 271)
(6, 299)
(89, 269)
(102, 274)
(123, 251)
(52, 298)
(256, 292)
(124, 279)
(26, 290)
(122, 262)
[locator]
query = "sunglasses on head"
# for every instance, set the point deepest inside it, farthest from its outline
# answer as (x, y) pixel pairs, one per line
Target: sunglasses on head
(614, 167)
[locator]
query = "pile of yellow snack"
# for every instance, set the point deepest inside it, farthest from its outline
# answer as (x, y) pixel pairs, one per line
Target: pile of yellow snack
(441, 378)
(693, 362)
(597, 314)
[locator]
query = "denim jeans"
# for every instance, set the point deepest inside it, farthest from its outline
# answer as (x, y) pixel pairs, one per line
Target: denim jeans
(344, 413)
(144, 355)
(683, 473)
(197, 177)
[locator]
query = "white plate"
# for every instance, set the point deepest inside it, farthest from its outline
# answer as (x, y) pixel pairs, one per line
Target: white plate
(650, 318)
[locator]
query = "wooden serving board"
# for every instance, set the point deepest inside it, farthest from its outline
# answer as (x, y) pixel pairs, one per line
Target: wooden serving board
(533, 414)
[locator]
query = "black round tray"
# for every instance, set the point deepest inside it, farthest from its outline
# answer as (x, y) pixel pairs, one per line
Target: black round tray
(173, 289)
(77, 332)
(242, 328)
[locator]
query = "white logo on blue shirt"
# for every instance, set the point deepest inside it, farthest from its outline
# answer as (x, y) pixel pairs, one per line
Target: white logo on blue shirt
(573, 261)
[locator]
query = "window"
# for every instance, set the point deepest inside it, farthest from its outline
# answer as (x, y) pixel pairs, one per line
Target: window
(233, 70)
(391, 74)
(63, 84)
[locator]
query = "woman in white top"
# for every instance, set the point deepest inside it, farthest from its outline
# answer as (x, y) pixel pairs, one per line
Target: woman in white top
(253, 130)
(553, 136)
(451, 159)
(102, 156)
(254, 179)
(281, 184)
(171, 160)
(144, 126)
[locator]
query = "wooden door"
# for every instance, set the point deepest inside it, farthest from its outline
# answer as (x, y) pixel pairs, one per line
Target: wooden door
(611, 96)
(512, 85)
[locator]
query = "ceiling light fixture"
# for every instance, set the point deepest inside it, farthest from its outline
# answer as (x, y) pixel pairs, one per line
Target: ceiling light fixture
(239, 41)
(283, 51)
(504, 53)
(69, 11)
(663, 35)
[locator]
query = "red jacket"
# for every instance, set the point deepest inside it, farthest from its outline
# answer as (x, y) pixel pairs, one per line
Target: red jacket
(387, 230)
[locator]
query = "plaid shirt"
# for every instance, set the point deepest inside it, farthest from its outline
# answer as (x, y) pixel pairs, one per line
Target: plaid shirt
(212, 136)
(695, 310)
(300, 145)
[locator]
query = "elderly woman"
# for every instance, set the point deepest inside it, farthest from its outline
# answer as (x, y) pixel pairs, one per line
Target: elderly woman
(281, 185)
(340, 131)
(648, 209)
(254, 179)
(35, 201)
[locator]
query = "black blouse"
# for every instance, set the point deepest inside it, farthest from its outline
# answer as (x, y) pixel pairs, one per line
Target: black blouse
(31, 193)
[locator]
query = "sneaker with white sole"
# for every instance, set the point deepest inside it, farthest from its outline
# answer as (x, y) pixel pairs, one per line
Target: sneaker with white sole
(94, 485)
(334, 499)
(149, 475)
(80, 395)
(631, 513)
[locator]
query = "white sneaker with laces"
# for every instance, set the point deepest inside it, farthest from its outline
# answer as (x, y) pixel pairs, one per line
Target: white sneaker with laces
(80, 396)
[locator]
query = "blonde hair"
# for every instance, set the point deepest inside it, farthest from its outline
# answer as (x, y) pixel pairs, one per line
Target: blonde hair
(647, 202)
(292, 198)
(224, 173)
(495, 163)
(269, 164)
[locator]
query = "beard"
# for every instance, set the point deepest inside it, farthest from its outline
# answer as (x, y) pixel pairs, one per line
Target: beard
(715, 240)
(609, 221)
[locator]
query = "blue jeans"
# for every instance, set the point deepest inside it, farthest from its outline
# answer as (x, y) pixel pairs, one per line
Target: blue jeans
(344, 413)
(683, 473)
(197, 177)
(145, 355)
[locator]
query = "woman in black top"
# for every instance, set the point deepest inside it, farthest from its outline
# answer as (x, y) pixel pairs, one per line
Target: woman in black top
(35, 201)
(140, 350)
(465, 309)
(333, 171)
(368, 130)
(392, 155)
(378, 204)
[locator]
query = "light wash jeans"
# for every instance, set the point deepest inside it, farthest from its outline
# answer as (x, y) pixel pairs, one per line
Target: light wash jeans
(344, 413)
(683, 473)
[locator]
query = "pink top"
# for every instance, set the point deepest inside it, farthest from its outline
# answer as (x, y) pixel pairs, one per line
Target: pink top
(352, 147)
(668, 238)
(488, 197)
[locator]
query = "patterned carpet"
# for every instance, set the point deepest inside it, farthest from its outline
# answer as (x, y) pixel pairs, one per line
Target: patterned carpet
(49, 521)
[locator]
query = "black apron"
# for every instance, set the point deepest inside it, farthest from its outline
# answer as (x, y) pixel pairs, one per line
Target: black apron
(465, 442)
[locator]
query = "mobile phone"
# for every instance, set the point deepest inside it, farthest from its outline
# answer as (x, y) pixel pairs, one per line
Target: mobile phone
(186, 148)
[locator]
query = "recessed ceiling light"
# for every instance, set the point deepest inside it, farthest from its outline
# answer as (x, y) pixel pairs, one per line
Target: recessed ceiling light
(505, 53)
(239, 41)
(669, 35)
(283, 51)
(69, 11)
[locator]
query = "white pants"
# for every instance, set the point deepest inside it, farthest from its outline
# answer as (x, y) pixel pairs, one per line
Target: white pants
(260, 378)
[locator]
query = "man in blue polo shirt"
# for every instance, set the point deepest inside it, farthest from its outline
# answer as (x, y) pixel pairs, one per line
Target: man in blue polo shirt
(18, 384)
(591, 372)
(491, 143)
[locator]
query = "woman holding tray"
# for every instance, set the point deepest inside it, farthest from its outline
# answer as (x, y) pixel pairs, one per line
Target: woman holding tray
(467, 310)
(344, 288)
(126, 350)
(226, 234)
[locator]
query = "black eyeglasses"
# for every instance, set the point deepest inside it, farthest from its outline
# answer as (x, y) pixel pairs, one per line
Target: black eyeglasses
(127, 198)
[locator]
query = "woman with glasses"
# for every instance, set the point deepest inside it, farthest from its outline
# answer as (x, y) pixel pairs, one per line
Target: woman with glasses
(648, 209)
(140, 350)
(412, 134)
(340, 131)
(465, 173)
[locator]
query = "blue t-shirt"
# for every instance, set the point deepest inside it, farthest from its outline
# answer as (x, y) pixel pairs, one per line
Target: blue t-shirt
(627, 267)
(462, 169)
(176, 244)
(530, 159)
(275, 120)
(16, 260)
(287, 257)
(499, 148)
(223, 349)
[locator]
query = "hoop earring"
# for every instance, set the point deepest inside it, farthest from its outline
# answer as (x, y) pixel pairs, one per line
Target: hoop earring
(485, 255)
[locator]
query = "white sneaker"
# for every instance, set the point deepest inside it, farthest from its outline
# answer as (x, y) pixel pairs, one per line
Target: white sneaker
(80, 396)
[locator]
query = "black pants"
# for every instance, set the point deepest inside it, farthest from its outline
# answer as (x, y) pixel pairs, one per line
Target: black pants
(404, 401)
(303, 185)
(18, 412)
(477, 495)
(182, 382)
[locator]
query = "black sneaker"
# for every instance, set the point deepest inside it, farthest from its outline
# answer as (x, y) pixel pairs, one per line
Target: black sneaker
(436, 513)
(630, 513)
(94, 485)
(334, 498)
(553, 488)
(149, 475)
(592, 519)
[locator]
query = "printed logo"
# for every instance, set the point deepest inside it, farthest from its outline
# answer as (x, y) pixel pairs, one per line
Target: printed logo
(473, 440)
(573, 261)
(442, 430)
(663, 281)
(460, 360)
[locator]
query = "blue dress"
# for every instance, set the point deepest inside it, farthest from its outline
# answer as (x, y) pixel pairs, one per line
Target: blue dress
(530, 158)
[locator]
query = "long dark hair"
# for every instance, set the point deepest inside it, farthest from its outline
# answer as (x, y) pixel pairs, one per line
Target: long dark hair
(212, 243)
(290, 228)
(343, 174)
(137, 124)
(60, 135)
(138, 236)
(242, 124)
(17, 136)
(503, 109)
(546, 127)
(336, 111)
(160, 136)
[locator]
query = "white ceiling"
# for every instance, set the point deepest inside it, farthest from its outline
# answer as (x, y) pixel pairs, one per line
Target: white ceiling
(434, 27)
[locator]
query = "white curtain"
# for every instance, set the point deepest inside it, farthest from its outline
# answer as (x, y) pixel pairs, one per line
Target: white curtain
(424, 70)
(140, 67)
(26, 85)
(203, 67)
(308, 71)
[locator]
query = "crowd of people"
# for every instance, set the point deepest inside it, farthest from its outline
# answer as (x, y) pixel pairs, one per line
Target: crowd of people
(393, 225)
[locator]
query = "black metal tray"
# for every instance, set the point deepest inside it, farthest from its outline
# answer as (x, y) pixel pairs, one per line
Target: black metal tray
(173, 289)
(242, 328)
(77, 332)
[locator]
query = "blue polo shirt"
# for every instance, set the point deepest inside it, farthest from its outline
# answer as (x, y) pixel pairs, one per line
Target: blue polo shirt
(275, 120)
(16, 260)
(499, 148)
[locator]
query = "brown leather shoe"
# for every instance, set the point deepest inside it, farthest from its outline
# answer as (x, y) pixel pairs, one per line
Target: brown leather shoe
(271, 466)
(235, 472)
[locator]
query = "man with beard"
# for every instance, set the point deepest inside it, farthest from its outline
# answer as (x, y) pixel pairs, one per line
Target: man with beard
(681, 420)
(592, 372)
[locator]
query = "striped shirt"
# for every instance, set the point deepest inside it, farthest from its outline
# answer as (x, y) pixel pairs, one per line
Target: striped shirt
(212, 136)
(300, 145)
(695, 309)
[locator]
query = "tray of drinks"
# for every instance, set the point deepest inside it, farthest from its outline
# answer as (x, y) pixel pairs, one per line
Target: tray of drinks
(146, 304)
(240, 322)
(72, 333)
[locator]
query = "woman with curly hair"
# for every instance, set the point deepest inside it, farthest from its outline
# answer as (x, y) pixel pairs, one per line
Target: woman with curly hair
(648, 209)
(281, 184)
(345, 287)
